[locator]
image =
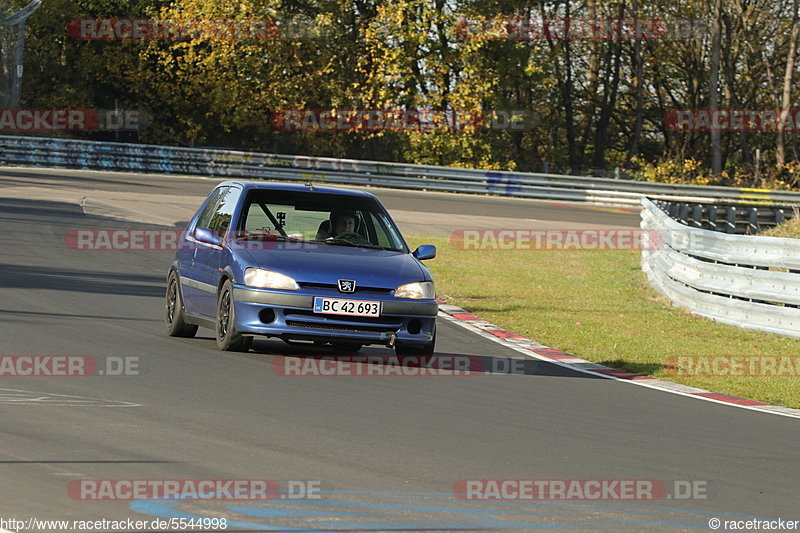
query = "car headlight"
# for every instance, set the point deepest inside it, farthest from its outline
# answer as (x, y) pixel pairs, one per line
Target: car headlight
(422, 290)
(267, 279)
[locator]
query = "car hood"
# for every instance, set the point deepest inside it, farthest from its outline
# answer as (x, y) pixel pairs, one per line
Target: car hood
(325, 263)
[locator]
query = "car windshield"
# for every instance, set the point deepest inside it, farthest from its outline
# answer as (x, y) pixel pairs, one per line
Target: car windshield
(330, 219)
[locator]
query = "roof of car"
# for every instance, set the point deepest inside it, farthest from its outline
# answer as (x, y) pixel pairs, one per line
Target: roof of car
(284, 186)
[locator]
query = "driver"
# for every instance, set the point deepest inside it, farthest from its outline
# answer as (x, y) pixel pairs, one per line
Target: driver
(344, 222)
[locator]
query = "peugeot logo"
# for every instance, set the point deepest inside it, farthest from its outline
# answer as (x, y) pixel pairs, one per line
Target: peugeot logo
(347, 285)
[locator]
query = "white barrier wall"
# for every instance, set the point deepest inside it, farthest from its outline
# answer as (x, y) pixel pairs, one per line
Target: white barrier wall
(748, 281)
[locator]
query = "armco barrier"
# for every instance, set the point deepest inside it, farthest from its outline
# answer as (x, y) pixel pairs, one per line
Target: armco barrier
(748, 281)
(92, 155)
(729, 218)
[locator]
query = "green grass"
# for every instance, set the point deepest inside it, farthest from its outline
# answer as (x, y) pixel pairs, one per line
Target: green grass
(598, 306)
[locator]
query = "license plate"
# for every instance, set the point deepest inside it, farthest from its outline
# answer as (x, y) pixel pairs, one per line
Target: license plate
(338, 306)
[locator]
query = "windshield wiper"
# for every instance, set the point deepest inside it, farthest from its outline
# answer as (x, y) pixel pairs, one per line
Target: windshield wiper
(344, 242)
(274, 237)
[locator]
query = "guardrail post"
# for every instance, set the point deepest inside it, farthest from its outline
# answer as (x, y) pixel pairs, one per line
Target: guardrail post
(683, 217)
(752, 227)
(697, 216)
(712, 218)
(730, 227)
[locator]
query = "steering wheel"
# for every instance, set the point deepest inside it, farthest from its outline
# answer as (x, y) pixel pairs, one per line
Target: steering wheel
(352, 237)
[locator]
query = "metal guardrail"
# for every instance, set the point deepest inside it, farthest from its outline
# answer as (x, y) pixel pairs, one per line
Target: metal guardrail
(737, 219)
(93, 155)
(748, 281)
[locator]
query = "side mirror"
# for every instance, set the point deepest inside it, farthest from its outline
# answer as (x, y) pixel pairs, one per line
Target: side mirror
(425, 251)
(206, 236)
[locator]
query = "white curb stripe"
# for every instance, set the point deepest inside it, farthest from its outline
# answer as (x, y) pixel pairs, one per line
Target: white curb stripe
(580, 365)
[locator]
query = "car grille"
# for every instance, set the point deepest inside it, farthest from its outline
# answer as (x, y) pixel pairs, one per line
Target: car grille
(338, 327)
(335, 287)
(385, 322)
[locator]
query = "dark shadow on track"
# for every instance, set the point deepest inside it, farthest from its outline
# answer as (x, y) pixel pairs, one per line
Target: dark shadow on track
(37, 209)
(47, 278)
(472, 364)
(38, 314)
(70, 179)
(120, 461)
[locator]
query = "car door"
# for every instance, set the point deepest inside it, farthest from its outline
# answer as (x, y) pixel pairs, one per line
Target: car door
(208, 257)
(188, 249)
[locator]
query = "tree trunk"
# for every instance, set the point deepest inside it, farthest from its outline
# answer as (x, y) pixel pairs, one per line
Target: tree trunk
(592, 84)
(786, 100)
(565, 85)
(633, 148)
(713, 85)
(610, 89)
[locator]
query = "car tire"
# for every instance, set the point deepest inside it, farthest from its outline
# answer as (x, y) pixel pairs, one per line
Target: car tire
(417, 349)
(173, 314)
(228, 339)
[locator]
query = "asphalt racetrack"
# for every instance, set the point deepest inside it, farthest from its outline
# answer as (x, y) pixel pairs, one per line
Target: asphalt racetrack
(348, 453)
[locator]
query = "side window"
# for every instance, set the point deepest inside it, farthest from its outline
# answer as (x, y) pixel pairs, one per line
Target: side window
(380, 231)
(208, 209)
(222, 215)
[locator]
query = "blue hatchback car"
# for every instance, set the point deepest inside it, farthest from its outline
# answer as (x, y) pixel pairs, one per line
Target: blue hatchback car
(302, 263)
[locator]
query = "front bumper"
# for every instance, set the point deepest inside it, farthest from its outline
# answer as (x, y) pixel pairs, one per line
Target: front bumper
(290, 316)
